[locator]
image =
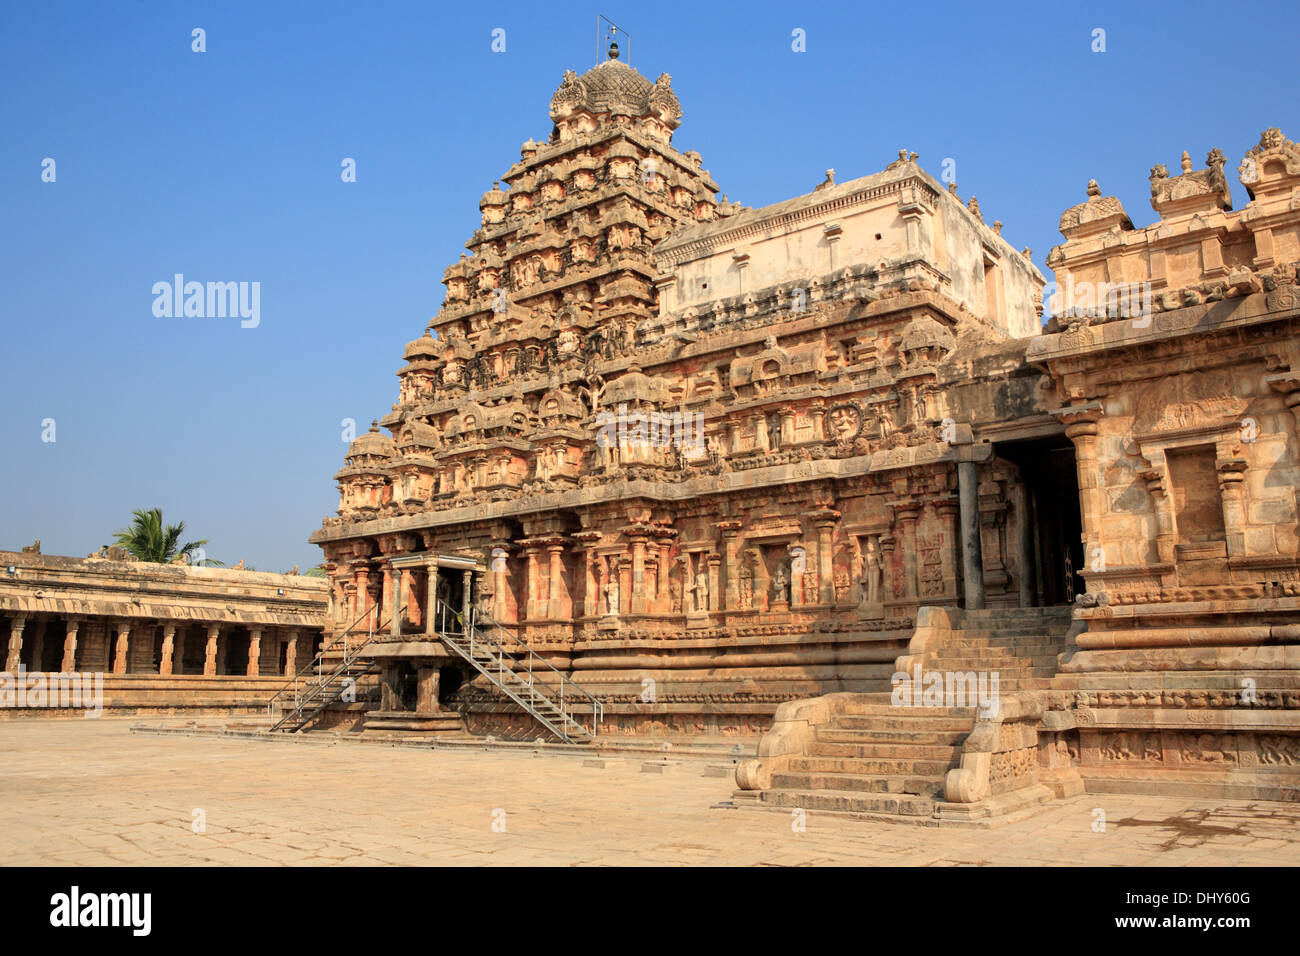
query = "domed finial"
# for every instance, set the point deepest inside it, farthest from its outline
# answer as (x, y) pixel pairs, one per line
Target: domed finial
(1093, 188)
(374, 424)
(1187, 162)
(613, 49)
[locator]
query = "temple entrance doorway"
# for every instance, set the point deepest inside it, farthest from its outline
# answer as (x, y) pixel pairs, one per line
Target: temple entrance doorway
(1050, 474)
(449, 590)
(450, 679)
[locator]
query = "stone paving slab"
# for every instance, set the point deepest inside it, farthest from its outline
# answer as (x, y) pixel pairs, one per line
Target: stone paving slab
(91, 792)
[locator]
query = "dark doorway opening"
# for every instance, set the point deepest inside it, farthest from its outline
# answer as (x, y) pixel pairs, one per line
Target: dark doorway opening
(407, 685)
(195, 649)
(157, 649)
(56, 632)
(237, 652)
(1048, 468)
(450, 593)
(450, 680)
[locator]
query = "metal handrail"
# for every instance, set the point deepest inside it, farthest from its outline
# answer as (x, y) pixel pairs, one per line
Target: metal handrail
(318, 661)
(519, 668)
(302, 696)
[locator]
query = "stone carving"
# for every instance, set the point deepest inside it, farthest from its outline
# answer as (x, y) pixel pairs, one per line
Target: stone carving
(846, 423)
(701, 591)
(780, 586)
(611, 594)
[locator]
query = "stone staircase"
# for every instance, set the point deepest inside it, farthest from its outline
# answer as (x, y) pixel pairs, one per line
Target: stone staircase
(1019, 644)
(875, 758)
(867, 755)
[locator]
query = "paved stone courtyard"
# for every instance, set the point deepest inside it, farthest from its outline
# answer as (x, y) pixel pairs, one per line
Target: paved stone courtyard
(94, 793)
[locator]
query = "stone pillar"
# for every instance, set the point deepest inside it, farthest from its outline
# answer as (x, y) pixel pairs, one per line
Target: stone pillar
(664, 599)
(363, 599)
(624, 572)
(531, 606)
(715, 562)
(393, 599)
(555, 578)
(787, 426)
(178, 655)
(388, 600)
(972, 558)
(1232, 473)
(430, 598)
(760, 432)
(906, 514)
(1024, 543)
(210, 652)
(949, 511)
(69, 664)
(500, 570)
(165, 661)
(14, 657)
(254, 652)
(466, 597)
(426, 689)
(731, 558)
(887, 590)
(38, 644)
(825, 563)
(818, 410)
(291, 654)
(123, 642)
(1081, 428)
(638, 603)
(590, 594)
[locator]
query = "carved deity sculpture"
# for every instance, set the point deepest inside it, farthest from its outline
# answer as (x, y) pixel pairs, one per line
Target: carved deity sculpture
(611, 594)
(781, 586)
(871, 572)
(774, 432)
(886, 422)
(701, 592)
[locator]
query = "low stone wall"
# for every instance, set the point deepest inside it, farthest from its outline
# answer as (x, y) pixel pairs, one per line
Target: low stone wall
(125, 695)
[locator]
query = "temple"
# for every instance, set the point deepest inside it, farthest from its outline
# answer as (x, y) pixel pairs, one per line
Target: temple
(711, 470)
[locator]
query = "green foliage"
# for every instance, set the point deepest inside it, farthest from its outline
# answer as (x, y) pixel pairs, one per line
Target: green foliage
(147, 539)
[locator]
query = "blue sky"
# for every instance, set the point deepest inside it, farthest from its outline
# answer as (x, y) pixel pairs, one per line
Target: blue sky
(225, 166)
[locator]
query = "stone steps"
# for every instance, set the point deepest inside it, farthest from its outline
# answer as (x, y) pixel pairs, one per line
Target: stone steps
(885, 735)
(978, 649)
(841, 758)
(859, 783)
(965, 662)
(1007, 669)
(889, 762)
(928, 720)
(890, 749)
(841, 801)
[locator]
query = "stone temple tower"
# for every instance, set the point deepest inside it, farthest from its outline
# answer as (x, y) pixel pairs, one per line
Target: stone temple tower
(562, 268)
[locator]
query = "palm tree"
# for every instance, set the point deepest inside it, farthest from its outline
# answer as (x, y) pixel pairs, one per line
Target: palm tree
(148, 539)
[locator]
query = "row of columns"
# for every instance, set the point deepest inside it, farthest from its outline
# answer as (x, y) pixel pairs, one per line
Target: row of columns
(120, 643)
